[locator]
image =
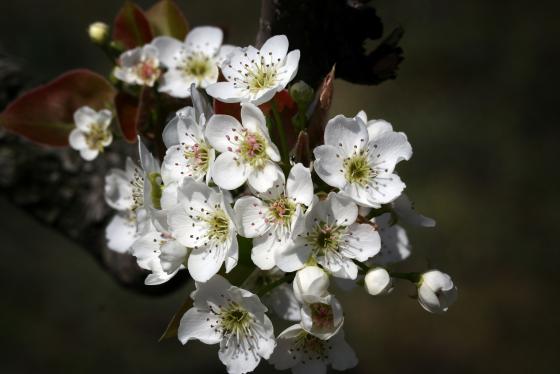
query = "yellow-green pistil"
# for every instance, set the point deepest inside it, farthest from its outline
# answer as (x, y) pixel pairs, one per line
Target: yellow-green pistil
(218, 223)
(235, 320)
(324, 238)
(263, 76)
(197, 65)
(357, 170)
(97, 137)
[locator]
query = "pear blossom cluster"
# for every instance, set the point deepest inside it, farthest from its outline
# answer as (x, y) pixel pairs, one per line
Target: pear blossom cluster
(224, 200)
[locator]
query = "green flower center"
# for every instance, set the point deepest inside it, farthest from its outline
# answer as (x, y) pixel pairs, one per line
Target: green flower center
(156, 185)
(235, 320)
(218, 223)
(197, 65)
(97, 137)
(325, 238)
(263, 76)
(357, 170)
(253, 149)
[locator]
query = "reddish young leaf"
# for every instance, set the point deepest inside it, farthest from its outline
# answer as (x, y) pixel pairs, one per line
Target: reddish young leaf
(45, 114)
(320, 109)
(131, 28)
(133, 113)
(126, 106)
(166, 18)
(231, 109)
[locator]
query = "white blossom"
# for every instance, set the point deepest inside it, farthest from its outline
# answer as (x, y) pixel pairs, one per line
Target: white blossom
(188, 154)
(92, 133)
(322, 316)
(270, 216)
(280, 299)
(360, 159)
(403, 208)
(248, 154)
(157, 251)
(256, 75)
(202, 221)
(436, 291)
(395, 246)
(331, 237)
(234, 318)
(310, 283)
(306, 354)
(378, 281)
(193, 61)
(139, 66)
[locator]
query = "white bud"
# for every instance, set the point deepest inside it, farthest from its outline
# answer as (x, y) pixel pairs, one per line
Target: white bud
(98, 32)
(436, 291)
(378, 282)
(310, 283)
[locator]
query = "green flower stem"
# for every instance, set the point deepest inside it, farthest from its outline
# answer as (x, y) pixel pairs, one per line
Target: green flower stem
(412, 277)
(269, 287)
(362, 266)
(283, 143)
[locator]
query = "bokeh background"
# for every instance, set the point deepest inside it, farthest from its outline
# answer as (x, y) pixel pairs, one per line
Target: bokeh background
(477, 95)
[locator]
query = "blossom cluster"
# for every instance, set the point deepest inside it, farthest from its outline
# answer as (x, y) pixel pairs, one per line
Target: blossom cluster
(223, 182)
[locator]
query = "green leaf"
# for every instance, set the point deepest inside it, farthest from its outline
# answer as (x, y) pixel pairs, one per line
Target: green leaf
(167, 19)
(131, 27)
(45, 114)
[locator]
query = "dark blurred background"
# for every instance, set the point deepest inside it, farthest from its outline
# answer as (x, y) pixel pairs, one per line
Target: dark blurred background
(477, 95)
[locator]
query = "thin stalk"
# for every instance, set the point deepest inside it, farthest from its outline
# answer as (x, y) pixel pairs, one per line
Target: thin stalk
(269, 287)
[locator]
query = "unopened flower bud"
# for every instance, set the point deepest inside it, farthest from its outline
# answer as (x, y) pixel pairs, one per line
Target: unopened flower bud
(436, 291)
(378, 282)
(310, 283)
(302, 94)
(98, 32)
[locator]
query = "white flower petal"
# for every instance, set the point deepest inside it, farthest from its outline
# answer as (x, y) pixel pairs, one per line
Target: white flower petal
(77, 139)
(263, 179)
(221, 131)
(300, 185)
(328, 165)
(290, 68)
(293, 257)
(342, 356)
(200, 325)
(251, 216)
(168, 49)
(84, 117)
(362, 242)
(346, 134)
(89, 154)
(276, 47)
(206, 39)
(225, 92)
(204, 263)
(120, 234)
(388, 149)
(232, 255)
(176, 84)
(228, 172)
(253, 119)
